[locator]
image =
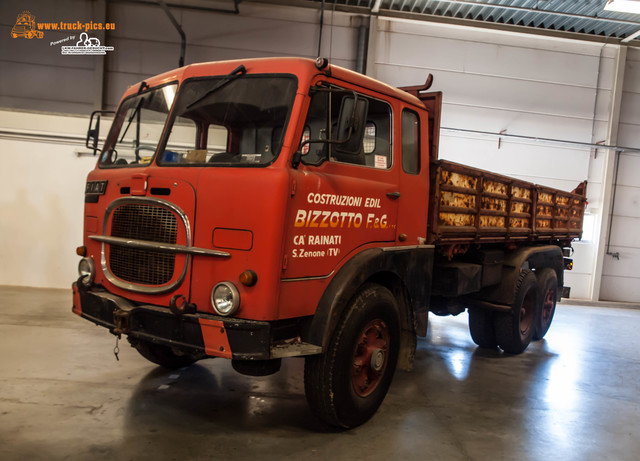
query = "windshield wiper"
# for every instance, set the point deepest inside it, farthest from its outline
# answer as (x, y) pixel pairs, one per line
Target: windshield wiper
(131, 118)
(240, 70)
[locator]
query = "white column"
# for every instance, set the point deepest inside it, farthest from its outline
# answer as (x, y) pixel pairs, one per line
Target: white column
(370, 69)
(602, 226)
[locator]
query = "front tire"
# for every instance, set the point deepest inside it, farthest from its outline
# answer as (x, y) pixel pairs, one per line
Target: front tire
(162, 355)
(347, 383)
(515, 329)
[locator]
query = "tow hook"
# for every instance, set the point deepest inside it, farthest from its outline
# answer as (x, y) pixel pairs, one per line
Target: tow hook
(179, 305)
(121, 319)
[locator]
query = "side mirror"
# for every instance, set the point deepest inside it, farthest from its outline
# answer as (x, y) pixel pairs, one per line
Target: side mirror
(351, 123)
(93, 133)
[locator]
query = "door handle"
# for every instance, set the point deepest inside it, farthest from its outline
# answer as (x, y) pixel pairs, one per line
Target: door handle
(393, 195)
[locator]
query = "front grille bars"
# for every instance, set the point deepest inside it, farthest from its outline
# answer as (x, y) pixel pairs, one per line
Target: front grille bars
(139, 244)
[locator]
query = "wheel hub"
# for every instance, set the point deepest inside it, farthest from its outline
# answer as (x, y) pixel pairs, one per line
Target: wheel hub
(548, 305)
(527, 314)
(377, 359)
(370, 357)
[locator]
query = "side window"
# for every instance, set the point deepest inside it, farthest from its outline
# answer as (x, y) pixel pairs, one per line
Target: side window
(322, 123)
(410, 142)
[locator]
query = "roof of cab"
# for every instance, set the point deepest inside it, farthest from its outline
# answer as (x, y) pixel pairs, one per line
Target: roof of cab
(304, 68)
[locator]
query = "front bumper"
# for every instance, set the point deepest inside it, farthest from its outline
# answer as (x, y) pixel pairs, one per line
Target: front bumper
(212, 335)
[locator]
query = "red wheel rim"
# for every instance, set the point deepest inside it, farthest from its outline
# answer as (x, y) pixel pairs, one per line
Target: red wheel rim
(370, 357)
(527, 313)
(548, 304)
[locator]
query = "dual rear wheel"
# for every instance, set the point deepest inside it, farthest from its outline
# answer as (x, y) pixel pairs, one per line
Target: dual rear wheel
(529, 319)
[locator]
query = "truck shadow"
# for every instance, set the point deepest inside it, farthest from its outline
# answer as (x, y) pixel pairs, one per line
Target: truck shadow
(209, 400)
(210, 397)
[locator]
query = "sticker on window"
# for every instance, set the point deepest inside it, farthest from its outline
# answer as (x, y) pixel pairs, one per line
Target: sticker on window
(380, 161)
(250, 158)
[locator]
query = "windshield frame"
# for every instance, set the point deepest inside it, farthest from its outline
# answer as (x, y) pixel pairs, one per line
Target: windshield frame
(162, 145)
(112, 136)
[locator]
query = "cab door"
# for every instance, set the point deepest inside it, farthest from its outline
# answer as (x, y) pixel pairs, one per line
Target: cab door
(413, 159)
(341, 202)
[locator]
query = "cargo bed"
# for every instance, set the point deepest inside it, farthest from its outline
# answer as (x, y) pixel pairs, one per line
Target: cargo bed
(470, 205)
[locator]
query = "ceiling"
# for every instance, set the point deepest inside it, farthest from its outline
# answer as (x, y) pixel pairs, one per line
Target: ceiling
(586, 17)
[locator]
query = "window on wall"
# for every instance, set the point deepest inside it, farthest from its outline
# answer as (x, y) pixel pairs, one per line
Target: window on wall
(369, 141)
(322, 123)
(410, 142)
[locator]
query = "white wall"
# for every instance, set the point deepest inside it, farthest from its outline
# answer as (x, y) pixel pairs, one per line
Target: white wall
(41, 200)
(621, 277)
(527, 85)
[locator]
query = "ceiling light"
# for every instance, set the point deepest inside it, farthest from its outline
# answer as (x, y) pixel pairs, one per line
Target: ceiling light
(623, 6)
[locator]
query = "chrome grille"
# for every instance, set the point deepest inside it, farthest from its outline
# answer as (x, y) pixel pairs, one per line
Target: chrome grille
(143, 222)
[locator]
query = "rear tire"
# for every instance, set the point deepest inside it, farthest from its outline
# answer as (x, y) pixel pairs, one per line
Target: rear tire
(548, 282)
(515, 329)
(346, 384)
(162, 355)
(481, 327)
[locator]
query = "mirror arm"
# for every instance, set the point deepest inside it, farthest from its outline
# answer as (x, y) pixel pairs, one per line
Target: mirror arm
(93, 134)
(295, 161)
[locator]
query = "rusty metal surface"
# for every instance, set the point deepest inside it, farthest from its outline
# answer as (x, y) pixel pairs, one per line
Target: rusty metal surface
(472, 206)
(458, 200)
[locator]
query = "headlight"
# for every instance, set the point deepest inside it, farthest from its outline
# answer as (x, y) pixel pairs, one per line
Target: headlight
(86, 271)
(225, 298)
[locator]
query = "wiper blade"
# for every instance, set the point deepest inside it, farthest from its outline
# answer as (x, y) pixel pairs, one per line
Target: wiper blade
(133, 114)
(240, 70)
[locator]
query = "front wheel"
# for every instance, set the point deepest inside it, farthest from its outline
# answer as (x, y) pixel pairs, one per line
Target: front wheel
(347, 383)
(162, 355)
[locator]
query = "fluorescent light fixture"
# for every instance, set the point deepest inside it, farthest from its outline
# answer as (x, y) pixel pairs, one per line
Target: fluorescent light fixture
(623, 6)
(633, 36)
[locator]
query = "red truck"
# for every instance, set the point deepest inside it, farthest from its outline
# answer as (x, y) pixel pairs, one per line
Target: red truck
(270, 208)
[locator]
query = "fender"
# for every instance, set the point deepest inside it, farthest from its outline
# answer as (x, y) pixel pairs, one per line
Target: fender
(411, 266)
(537, 257)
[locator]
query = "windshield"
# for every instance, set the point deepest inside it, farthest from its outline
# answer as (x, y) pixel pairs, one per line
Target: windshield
(234, 120)
(137, 128)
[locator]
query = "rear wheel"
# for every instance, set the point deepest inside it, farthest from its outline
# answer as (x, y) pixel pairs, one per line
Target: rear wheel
(548, 282)
(515, 329)
(162, 355)
(347, 383)
(481, 327)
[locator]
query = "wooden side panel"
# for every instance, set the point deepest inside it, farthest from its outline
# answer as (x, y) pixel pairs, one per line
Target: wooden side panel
(473, 206)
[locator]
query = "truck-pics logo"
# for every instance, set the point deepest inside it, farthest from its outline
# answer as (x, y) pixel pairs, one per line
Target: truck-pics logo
(25, 26)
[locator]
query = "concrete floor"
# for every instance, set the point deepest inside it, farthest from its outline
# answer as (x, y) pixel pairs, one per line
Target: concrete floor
(574, 396)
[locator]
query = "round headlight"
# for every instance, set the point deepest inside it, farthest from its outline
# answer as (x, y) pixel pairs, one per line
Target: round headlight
(86, 271)
(225, 298)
